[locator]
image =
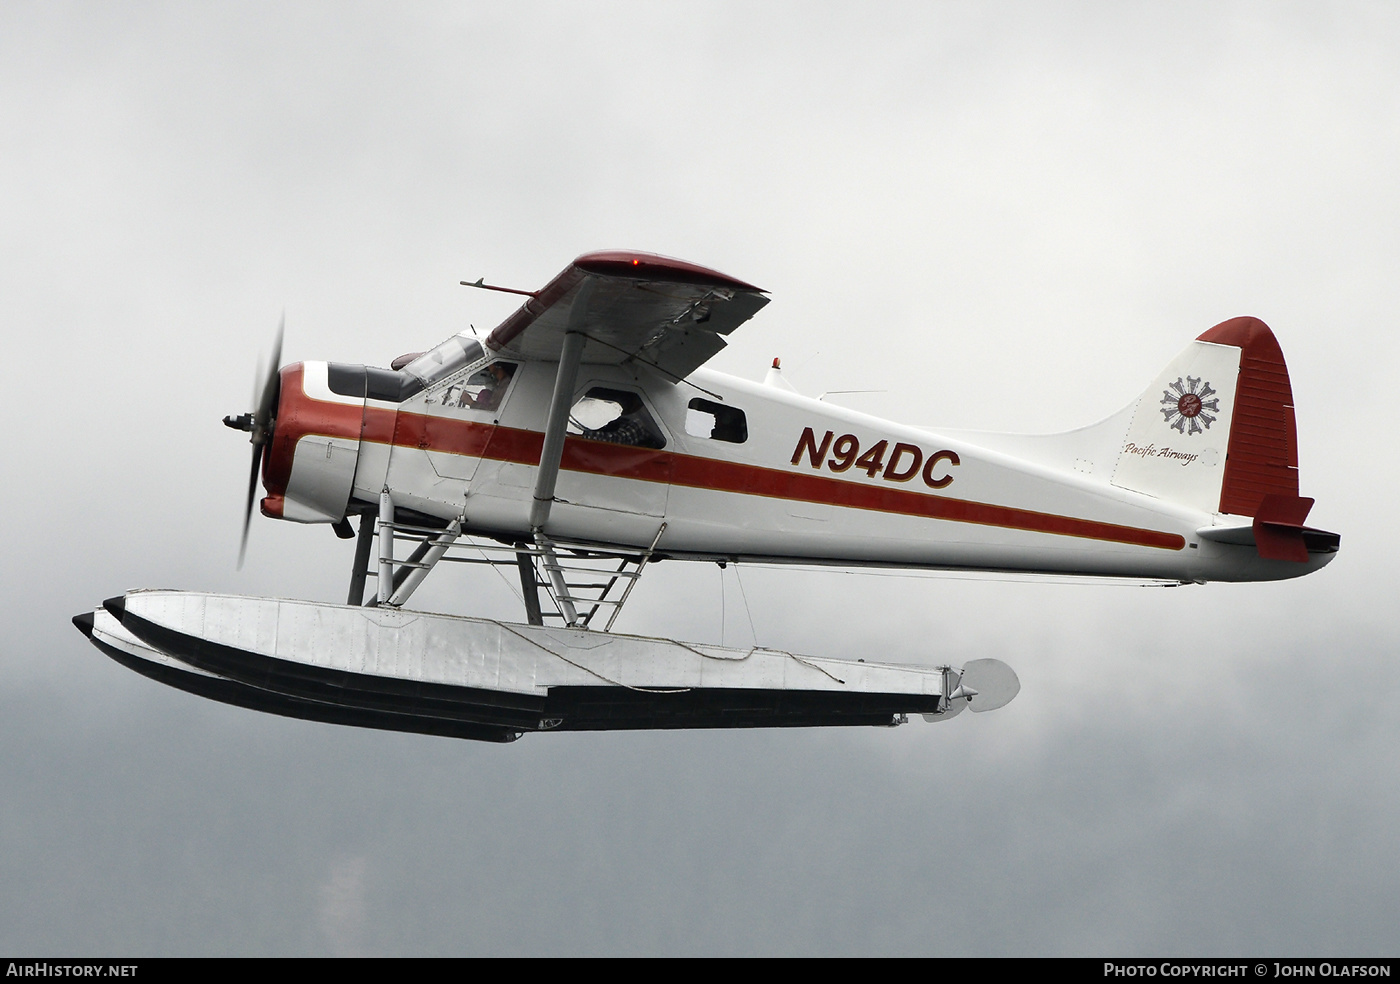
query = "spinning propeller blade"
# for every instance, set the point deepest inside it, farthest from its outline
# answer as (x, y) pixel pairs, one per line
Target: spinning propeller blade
(248, 509)
(260, 424)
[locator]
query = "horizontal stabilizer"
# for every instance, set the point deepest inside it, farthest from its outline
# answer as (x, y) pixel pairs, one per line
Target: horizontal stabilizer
(1278, 527)
(1244, 534)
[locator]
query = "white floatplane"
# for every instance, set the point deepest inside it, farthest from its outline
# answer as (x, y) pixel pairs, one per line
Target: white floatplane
(582, 441)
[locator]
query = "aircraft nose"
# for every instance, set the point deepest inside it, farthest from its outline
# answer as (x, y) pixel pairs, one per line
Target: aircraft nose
(310, 461)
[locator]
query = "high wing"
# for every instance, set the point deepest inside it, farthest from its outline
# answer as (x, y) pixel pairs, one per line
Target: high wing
(635, 306)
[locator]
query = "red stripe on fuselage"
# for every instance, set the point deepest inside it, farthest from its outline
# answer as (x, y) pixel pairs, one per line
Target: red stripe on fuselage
(727, 476)
(497, 443)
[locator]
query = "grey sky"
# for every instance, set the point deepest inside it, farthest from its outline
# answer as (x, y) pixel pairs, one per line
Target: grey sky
(1007, 216)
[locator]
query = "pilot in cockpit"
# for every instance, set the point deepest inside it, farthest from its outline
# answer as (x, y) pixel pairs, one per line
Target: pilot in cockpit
(489, 386)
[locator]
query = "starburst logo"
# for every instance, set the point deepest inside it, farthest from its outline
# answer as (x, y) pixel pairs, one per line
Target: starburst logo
(1188, 407)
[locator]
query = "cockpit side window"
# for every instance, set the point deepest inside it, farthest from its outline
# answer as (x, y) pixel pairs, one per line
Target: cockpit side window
(716, 421)
(482, 390)
(615, 416)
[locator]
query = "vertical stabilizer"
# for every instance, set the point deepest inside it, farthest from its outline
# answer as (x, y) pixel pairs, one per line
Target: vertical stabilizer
(1216, 429)
(1177, 444)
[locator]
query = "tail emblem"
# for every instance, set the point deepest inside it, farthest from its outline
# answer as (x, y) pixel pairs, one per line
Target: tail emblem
(1187, 406)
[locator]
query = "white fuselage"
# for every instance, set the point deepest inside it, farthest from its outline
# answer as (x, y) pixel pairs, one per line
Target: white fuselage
(811, 483)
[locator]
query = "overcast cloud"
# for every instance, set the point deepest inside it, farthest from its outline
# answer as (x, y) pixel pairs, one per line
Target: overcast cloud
(1004, 216)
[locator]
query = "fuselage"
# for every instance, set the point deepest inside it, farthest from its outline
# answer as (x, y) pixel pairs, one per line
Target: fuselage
(775, 476)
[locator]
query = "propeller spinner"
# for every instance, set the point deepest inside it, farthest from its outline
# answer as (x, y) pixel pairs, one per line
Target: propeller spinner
(260, 424)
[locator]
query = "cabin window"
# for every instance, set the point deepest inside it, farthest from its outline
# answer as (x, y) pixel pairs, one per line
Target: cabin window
(615, 416)
(483, 389)
(716, 421)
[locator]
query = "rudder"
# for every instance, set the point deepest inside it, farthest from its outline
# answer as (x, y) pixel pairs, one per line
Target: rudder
(1263, 455)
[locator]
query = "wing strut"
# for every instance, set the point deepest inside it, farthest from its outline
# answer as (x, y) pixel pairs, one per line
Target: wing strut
(555, 426)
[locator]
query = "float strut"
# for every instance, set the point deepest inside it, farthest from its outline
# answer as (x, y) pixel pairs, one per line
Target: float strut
(386, 547)
(360, 568)
(529, 585)
(426, 556)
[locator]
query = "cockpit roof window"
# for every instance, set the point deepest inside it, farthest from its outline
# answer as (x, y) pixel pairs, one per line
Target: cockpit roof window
(458, 351)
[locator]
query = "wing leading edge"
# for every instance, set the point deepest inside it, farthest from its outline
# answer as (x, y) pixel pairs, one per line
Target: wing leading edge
(651, 309)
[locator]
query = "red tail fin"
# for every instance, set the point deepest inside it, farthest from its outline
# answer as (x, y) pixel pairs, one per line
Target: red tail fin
(1262, 459)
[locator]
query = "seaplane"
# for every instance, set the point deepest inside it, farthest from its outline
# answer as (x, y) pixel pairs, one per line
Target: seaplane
(583, 440)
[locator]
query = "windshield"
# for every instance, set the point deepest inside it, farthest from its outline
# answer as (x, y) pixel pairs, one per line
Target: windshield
(459, 350)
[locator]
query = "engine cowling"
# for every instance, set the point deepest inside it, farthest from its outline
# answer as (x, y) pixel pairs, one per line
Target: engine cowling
(309, 470)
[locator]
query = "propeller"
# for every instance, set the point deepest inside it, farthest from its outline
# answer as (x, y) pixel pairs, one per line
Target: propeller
(260, 423)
